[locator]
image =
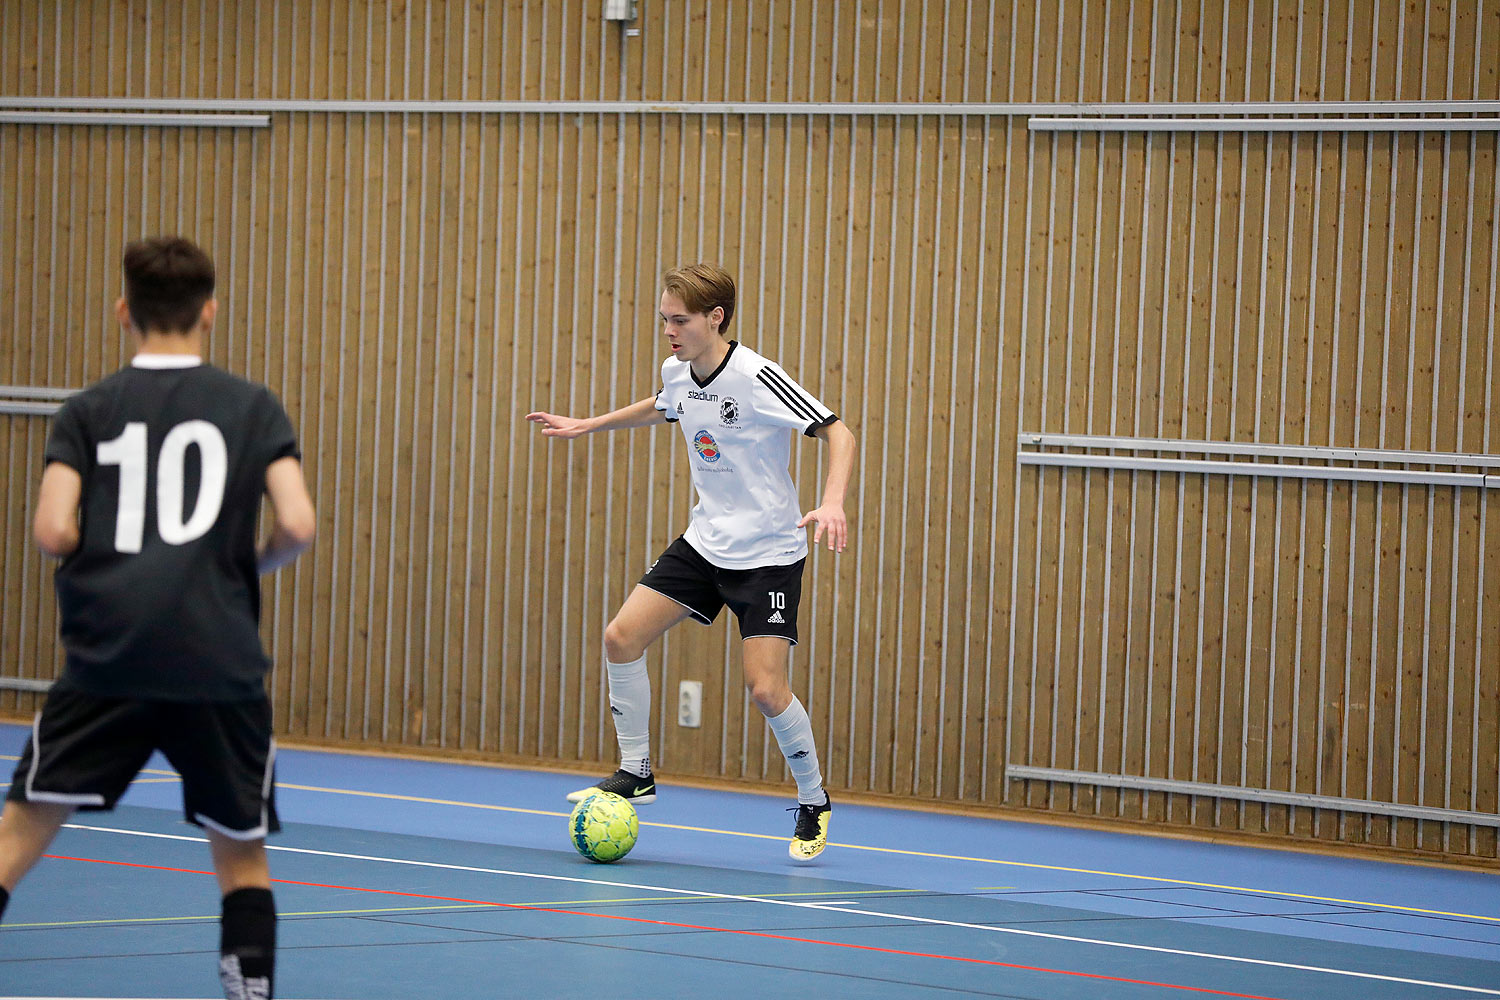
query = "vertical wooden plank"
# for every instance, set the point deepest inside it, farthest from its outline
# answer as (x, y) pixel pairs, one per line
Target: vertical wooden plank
(1016, 654)
(1076, 159)
(1043, 411)
(1484, 774)
(573, 669)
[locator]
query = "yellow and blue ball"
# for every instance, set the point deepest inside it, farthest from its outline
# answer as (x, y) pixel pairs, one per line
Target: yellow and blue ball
(603, 827)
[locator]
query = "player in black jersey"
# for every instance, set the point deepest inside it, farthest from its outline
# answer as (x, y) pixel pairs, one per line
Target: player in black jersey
(150, 497)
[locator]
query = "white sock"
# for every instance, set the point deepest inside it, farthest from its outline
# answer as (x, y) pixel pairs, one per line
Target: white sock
(794, 734)
(630, 707)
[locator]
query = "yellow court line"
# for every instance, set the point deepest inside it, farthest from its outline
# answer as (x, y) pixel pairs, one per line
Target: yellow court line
(137, 781)
(917, 854)
(1178, 881)
(462, 906)
(419, 798)
(144, 770)
(930, 854)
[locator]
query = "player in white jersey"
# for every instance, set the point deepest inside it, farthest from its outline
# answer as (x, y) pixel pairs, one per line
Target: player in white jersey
(745, 544)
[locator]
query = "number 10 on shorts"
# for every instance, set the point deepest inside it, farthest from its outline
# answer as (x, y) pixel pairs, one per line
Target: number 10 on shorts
(778, 600)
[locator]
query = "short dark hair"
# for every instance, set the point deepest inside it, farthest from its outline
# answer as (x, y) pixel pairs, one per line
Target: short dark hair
(701, 287)
(167, 281)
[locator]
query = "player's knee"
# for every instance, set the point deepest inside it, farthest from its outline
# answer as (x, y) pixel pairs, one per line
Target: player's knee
(619, 645)
(768, 693)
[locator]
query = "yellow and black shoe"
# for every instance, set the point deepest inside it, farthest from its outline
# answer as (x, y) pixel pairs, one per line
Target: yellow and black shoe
(811, 835)
(624, 784)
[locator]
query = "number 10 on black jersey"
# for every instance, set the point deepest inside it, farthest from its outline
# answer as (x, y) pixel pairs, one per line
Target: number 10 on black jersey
(128, 451)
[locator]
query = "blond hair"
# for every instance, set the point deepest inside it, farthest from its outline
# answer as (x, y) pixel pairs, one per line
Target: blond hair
(701, 287)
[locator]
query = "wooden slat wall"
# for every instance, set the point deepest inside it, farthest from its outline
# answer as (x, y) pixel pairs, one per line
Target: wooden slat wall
(411, 283)
(1334, 639)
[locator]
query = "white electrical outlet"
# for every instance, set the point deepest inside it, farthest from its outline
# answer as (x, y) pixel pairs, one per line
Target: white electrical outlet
(690, 704)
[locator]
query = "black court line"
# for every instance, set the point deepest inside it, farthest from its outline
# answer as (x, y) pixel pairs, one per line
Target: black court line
(830, 908)
(1140, 895)
(1366, 928)
(1076, 974)
(605, 941)
(474, 936)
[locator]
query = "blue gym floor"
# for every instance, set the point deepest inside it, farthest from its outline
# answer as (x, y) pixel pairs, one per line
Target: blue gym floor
(414, 879)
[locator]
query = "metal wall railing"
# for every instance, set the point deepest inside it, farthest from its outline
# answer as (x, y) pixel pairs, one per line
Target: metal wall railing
(1020, 772)
(36, 401)
(1081, 447)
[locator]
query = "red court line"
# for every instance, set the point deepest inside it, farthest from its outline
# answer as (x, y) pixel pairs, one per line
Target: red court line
(700, 927)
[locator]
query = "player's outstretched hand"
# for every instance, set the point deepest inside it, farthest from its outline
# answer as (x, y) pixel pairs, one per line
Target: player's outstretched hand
(830, 518)
(558, 426)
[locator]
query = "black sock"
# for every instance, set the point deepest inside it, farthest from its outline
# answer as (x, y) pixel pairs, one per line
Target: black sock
(4, 898)
(247, 944)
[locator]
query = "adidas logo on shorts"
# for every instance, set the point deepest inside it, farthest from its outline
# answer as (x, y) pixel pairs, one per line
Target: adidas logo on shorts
(775, 619)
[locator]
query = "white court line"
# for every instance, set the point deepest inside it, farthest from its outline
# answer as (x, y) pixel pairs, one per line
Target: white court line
(1189, 883)
(824, 908)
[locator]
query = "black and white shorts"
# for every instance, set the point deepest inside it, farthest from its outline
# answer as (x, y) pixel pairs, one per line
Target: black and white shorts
(764, 598)
(85, 750)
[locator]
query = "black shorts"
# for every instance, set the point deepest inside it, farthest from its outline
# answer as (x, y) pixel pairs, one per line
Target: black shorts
(764, 599)
(85, 750)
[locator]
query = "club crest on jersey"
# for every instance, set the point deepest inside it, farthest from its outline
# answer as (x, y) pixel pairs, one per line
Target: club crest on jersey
(707, 447)
(729, 411)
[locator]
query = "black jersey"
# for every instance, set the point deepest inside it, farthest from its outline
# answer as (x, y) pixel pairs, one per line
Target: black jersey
(162, 599)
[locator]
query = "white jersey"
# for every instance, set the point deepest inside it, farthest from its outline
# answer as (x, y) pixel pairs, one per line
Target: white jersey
(737, 424)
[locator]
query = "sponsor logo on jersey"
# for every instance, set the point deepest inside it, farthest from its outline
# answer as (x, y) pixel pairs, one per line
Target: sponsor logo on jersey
(707, 447)
(729, 411)
(680, 410)
(707, 397)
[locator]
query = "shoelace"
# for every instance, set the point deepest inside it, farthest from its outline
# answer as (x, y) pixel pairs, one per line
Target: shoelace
(807, 821)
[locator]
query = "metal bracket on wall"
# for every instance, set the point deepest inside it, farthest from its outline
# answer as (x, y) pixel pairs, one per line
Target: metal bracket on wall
(1079, 447)
(1263, 124)
(24, 684)
(32, 400)
(136, 118)
(1052, 110)
(1018, 772)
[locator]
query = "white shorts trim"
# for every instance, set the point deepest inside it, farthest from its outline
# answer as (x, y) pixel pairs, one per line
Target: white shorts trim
(770, 635)
(697, 615)
(54, 798)
(259, 833)
(61, 799)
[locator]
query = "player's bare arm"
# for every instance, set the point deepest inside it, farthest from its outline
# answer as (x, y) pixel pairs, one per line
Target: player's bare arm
(830, 513)
(294, 519)
(639, 414)
(55, 527)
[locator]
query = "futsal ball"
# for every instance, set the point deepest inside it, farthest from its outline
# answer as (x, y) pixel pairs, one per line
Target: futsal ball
(603, 827)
